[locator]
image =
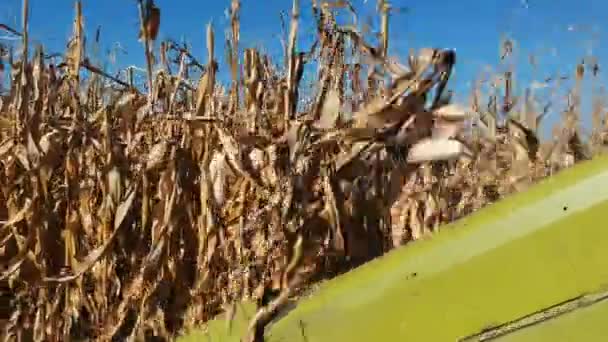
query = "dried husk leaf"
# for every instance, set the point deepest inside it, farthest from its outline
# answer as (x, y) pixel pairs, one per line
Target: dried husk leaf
(436, 149)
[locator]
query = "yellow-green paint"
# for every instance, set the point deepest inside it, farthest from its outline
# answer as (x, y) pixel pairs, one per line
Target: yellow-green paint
(584, 325)
(525, 253)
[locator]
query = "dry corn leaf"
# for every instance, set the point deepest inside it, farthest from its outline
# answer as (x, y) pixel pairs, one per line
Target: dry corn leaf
(151, 22)
(114, 185)
(379, 113)
(5, 147)
(13, 266)
(202, 92)
(5, 123)
(443, 129)
(157, 154)
(18, 217)
(436, 149)
(218, 171)
(330, 111)
(452, 112)
(24, 252)
(20, 152)
(123, 209)
(94, 256)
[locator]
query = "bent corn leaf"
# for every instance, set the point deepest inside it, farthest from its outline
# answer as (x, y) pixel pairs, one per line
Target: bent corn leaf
(436, 149)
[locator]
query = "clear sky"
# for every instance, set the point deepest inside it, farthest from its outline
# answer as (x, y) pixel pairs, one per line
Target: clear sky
(558, 32)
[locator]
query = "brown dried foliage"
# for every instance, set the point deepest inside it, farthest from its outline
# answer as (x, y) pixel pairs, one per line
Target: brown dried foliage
(127, 214)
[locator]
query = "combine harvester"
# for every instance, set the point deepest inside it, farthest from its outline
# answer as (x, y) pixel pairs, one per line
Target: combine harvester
(532, 267)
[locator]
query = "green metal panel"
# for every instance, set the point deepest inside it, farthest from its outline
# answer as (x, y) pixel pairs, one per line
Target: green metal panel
(586, 324)
(523, 255)
(526, 253)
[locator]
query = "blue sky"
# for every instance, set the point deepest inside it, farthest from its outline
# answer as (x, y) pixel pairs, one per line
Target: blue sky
(558, 32)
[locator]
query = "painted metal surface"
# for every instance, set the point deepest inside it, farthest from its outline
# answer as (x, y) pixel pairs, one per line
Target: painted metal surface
(526, 253)
(586, 324)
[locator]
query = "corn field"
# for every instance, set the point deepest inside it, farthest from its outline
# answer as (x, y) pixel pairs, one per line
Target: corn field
(140, 212)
